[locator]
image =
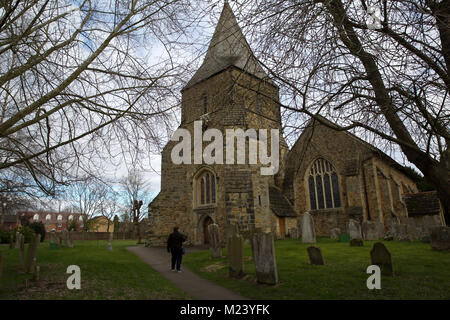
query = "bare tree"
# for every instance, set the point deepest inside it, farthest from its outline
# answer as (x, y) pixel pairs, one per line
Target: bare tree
(386, 81)
(77, 82)
(89, 197)
(136, 193)
(109, 207)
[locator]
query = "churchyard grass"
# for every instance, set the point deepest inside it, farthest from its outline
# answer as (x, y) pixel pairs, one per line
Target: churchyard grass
(420, 273)
(116, 274)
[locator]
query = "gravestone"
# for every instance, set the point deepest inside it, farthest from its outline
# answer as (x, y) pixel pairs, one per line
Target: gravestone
(398, 231)
(315, 256)
(308, 230)
(2, 258)
(293, 233)
(412, 230)
(354, 229)
(32, 252)
(11, 241)
(53, 241)
(334, 233)
(344, 237)
(71, 239)
(236, 256)
(380, 256)
(214, 241)
(64, 237)
(372, 230)
(17, 240)
(440, 238)
(263, 250)
(22, 251)
(356, 243)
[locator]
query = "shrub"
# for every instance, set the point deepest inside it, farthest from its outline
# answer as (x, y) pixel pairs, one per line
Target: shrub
(38, 228)
(27, 232)
(4, 236)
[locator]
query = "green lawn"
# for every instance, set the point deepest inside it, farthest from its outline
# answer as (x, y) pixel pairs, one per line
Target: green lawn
(420, 273)
(117, 274)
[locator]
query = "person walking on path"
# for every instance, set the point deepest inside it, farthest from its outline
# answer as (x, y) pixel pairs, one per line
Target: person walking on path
(175, 246)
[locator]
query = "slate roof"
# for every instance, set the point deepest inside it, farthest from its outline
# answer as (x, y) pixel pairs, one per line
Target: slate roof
(422, 203)
(228, 47)
(279, 204)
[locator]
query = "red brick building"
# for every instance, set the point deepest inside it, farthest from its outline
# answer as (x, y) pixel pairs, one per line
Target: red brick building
(56, 221)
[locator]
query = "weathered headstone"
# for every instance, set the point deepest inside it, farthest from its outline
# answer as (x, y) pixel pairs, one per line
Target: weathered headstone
(65, 238)
(32, 252)
(53, 241)
(17, 240)
(109, 247)
(293, 233)
(315, 256)
(413, 231)
(356, 243)
(11, 240)
(381, 257)
(2, 258)
(214, 241)
(236, 256)
(398, 231)
(308, 229)
(440, 238)
(334, 233)
(372, 230)
(36, 273)
(344, 237)
(264, 257)
(71, 239)
(22, 251)
(354, 229)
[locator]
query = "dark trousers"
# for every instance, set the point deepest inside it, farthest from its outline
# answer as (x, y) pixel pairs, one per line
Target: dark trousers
(176, 257)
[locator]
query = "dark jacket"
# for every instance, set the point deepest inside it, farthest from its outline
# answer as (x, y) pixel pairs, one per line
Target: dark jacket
(175, 240)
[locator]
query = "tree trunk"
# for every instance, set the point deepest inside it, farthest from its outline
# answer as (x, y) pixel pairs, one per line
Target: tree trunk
(436, 172)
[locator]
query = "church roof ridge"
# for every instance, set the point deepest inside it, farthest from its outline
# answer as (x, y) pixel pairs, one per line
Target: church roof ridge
(228, 47)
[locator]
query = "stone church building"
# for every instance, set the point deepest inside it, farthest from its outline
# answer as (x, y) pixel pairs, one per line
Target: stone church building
(331, 174)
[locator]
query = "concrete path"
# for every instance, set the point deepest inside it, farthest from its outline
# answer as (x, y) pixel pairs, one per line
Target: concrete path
(197, 287)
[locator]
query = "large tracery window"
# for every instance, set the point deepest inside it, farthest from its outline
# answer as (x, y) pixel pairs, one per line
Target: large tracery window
(206, 188)
(323, 186)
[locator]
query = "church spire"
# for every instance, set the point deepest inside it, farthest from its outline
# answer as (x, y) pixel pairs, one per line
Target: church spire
(228, 47)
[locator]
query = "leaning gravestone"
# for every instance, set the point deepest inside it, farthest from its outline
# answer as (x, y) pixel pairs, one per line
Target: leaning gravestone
(354, 229)
(380, 256)
(372, 230)
(334, 233)
(264, 257)
(236, 256)
(440, 238)
(214, 241)
(315, 256)
(308, 230)
(356, 243)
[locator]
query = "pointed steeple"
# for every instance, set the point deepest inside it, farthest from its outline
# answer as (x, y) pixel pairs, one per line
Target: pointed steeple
(228, 47)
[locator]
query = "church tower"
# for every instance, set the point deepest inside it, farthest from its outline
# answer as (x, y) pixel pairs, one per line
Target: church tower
(230, 90)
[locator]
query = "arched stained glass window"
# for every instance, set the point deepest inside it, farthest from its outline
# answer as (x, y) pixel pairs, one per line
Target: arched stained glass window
(323, 186)
(206, 188)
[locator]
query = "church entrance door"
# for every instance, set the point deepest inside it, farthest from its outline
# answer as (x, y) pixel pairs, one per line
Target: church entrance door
(206, 223)
(282, 223)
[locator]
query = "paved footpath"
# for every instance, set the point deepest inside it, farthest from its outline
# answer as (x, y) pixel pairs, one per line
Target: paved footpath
(197, 287)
